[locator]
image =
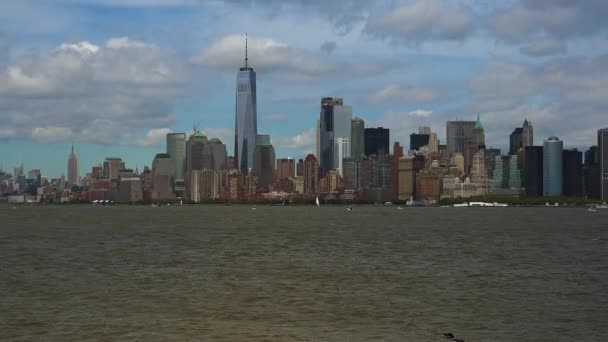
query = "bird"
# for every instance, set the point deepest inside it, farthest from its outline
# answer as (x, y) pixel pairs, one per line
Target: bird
(448, 335)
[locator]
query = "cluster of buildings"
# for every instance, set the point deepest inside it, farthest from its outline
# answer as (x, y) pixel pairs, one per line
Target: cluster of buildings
(352, 162)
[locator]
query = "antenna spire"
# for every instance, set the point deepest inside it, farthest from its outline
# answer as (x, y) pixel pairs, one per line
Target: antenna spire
(72, 147)
(246, 59)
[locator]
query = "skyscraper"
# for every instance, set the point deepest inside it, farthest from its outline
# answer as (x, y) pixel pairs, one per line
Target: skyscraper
(552, 166)
(162, 177)
(377, 141)
(286, 168)
(457, 133)
(521, 137)
(246, 117)
(533, 171)
(73, 173)
(572, 173)
(418, 140)
(311, 175)
(335, 132)
(358, 138)
(112, 167)
(473, 144)
(264, 163)
(602, 144)
(176, 149)
(194, 151)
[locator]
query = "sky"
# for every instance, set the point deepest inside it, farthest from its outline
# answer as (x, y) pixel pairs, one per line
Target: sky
(114, 76)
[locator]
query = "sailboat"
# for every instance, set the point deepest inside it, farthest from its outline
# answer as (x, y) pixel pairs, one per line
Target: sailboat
(317, 201)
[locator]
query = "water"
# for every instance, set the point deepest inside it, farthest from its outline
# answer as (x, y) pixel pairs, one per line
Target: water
(214, 273)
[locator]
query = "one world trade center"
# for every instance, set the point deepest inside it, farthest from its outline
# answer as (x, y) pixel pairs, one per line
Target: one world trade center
(246, 121)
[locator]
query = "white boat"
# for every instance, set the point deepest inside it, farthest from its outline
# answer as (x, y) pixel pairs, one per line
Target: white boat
(592, 210)
(317, 201)
(349, 208)
(460, 205)
(501, 205)
(400, 208)
(602, 206)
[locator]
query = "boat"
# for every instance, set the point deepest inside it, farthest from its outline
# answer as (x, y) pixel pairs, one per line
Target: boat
(601, 206)
(253, 208)
(317, 201)
(460, 205)
(591, 210)
(349, 208)
(400, 208)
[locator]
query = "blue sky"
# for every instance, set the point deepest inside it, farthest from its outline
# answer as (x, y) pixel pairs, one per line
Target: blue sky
(115, 76)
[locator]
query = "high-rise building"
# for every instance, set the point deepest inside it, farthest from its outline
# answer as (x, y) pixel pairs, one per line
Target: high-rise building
(300, 168)
(351, 174)
(357, 138)
(264, 163)
(490, 155)
(433, 143)
(473, 144)
(591, 173)
(194, 151)
(478, 173)
(218, 153)
(418, 140)
(377, 141)
(521, 138)
(572, 173)
(311, 175)
(507, 175)
(457, 133)
(286, 168)
(73, 174)
(602, 144)
(162, 177)
(176, 148)
(130, 189)
(335, 133)
(397, 154)
(246, 117)
(553, 167)
(318, 152)
(407, 178)
(533, 171)
(458, 161)
(112, 167)
(204, 184)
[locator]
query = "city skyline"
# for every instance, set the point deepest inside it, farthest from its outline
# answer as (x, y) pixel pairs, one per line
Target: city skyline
(150, 80)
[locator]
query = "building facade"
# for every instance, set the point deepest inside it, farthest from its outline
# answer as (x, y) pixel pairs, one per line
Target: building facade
(602, 144)
(73, 171)
(286, 168)
(246, 117)
(358, 138)
(311, 175)
(377, 141)
(553, 167)
(533, 171)
(572, 173)
(458, 133)
(264, 163)
(335, 133)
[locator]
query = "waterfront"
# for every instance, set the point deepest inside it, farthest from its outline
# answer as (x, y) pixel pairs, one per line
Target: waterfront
(229, 273)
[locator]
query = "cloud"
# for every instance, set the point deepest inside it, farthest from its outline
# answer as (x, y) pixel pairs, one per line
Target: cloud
(304, 141)
(421, 113)
(556, 19)
(399, 93)
(275, 117)
(284, 62)
(328, 47)
(154, 137)
(544, 47)
(51, 134)
(561, 96)
(423, 20)
(108, 94)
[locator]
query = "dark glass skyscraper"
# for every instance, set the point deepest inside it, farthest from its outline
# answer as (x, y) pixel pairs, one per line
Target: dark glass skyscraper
(553, 167)
(573, 173)
(246, 118)
(377, 141)
(358, 138)
(533, 171)
(602, 144)
(418, 140)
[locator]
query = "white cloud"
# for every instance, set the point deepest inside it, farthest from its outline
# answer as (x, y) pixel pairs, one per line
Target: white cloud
(421, 113)
(51, 133)
(154, 137)
(423, 20)
(283, 61)
(396, 93)
(544, 47)
(304, 141)
(106, 94)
